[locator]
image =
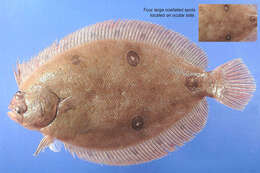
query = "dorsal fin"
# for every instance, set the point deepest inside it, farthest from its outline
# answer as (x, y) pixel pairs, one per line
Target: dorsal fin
(133, 30)
(154, 148)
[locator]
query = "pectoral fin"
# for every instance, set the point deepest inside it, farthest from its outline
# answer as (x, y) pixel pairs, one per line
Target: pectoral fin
(66, 105)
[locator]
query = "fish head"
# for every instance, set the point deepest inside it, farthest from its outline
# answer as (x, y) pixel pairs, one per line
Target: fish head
(33, 110)
(18, 107)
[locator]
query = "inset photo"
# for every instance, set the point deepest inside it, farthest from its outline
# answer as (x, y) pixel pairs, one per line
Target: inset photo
(227, 22)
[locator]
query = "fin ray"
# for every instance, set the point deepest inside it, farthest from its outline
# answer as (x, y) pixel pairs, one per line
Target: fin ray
(45, 142)
(237, 85)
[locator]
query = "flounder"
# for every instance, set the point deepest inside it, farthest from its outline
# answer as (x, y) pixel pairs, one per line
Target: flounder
(123, 92)
(227, 22)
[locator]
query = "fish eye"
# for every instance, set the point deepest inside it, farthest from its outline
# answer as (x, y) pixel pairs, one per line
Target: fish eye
(17, 110)
(19, 92)
(20, 109)
(19, 95)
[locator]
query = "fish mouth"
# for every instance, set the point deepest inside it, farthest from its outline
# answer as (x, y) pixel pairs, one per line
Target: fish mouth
(15, 116)
(17, 107)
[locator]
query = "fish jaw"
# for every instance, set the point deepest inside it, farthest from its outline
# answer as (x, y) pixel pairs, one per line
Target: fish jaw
(15, 117)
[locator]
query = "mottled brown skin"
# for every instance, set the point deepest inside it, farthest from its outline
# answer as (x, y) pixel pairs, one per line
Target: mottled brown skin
(100, 93)
(227, 22)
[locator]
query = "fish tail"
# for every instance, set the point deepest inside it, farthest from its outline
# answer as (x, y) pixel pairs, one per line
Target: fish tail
(234, 85)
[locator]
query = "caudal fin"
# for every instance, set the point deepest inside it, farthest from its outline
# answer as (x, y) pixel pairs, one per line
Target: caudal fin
(236, 84)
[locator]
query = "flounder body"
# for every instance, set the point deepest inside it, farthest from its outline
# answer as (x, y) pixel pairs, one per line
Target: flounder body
(227, 22)
(123, 92)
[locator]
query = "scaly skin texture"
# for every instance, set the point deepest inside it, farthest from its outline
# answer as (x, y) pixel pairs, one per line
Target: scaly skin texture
(101, 93)
(227, 22)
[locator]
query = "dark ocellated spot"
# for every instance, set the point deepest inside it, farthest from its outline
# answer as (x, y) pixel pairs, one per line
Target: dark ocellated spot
(252, 19)
(75, 60)
(226, 7)
(192, 83)
(137, 123)
(132, 58)
(228, 37)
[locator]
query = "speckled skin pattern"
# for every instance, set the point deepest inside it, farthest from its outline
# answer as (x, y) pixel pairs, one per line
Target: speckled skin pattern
(227, 22)
(105, 93)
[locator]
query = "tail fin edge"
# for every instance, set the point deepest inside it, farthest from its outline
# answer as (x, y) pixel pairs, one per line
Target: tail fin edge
(237, 86)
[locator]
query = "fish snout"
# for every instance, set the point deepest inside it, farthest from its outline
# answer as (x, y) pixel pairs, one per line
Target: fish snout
(16, 117)
(17, 106)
